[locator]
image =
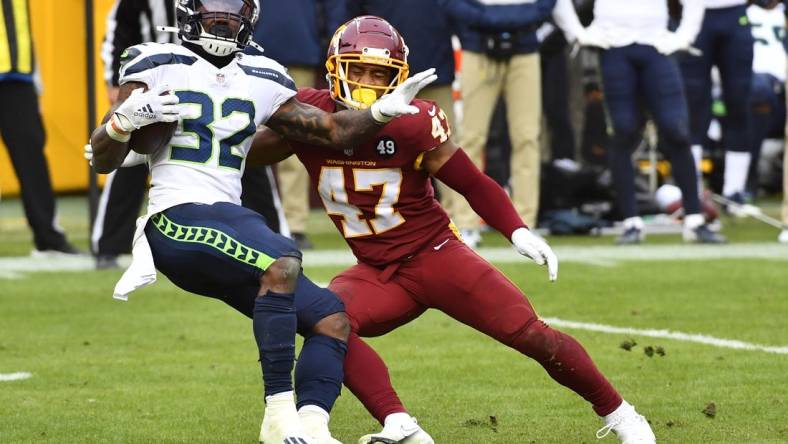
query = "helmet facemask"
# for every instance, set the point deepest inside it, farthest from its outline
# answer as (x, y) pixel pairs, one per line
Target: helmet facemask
(220, 27)
(370, 46)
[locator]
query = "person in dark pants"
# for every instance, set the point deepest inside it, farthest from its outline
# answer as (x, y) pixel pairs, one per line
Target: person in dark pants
(725, 41)
(295, 34)
(636, 66)
(22, 130)
(131, 22)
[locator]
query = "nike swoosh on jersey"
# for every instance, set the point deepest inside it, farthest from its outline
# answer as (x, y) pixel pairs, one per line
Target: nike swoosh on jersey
(432, 111)
(440, 245)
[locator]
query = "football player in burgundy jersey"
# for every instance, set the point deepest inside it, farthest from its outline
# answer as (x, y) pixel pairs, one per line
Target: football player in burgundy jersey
(379, 196)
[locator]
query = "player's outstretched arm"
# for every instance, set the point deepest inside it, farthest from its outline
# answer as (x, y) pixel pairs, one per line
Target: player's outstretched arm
(298, 121)
(449, 164)
(110, 141)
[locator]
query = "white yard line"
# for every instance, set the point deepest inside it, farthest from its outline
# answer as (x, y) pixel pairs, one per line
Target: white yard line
(18, 376)
(603, 256)
(668, 334)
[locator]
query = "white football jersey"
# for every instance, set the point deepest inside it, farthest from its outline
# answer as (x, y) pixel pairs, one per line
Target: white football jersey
(768, 30)
(621, 23)
(220, 108)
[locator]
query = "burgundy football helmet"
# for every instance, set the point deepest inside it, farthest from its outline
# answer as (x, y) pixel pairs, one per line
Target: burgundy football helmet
(370, 40)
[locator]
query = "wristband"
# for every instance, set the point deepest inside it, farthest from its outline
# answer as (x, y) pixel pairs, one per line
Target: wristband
(379, 116)
(115, 132)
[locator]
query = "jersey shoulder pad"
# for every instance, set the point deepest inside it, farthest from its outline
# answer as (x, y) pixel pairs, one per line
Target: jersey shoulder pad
(146, 56)
(262, 67)
(428, 128)
(316, 97)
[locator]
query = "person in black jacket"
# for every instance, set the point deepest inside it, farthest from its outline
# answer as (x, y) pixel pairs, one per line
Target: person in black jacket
(22, 130)
(131, 22)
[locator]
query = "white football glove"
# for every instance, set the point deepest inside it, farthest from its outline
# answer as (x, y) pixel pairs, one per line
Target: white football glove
(88, 153)
(671, 42)
(592, 37)
(397, 102)
(143, 108)
(530, 245)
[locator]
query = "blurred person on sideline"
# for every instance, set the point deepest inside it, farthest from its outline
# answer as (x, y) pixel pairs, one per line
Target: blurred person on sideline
(500, 55)
(767, 96)
(724, 40)
(22, 129)
(293, 34)
(635, 62)
(131, 22)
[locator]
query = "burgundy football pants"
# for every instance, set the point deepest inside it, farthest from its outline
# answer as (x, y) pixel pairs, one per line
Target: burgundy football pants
(458, 282)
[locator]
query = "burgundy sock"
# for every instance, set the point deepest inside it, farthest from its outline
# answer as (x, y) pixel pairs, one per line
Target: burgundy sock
(368, 378)
(567, 362)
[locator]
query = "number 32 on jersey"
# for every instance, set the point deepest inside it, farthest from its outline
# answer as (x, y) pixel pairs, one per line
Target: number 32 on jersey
(334, 193)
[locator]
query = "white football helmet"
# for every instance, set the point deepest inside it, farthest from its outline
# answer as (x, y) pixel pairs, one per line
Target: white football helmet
(221, 27)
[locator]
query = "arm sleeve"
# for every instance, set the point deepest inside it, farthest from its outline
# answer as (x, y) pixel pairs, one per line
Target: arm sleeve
(691, 20)
(498, 18)
(566, 18)
(123, 31)
(486, 197)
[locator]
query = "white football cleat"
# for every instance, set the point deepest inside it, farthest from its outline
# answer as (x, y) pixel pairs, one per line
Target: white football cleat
(630, 426)
(783, 238)
(315, 422)
(399, 428)
(281, 424)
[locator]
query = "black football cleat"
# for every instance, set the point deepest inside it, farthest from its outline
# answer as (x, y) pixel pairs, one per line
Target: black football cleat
(631, 236)
(106, 262)
(702, 234)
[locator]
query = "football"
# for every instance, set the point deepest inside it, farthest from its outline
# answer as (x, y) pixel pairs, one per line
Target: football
(153, 137)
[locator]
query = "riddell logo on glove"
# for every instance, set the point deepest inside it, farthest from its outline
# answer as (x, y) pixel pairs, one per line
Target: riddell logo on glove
(146, 112)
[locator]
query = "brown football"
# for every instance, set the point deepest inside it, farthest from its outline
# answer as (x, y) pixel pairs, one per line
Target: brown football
(153, 137)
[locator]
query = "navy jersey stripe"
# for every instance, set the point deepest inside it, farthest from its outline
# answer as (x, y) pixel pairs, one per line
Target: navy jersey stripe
(270, 74)
(159, 60)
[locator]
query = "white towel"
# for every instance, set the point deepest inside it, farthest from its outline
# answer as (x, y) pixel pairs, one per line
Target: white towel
(142, 271)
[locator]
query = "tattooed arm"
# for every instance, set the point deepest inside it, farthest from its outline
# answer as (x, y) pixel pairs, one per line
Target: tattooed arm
(305, 123)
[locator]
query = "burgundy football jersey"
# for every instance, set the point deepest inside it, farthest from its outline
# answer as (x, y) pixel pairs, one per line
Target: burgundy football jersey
(376, 193)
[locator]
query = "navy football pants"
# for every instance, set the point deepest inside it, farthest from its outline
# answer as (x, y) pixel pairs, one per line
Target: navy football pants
(221, 250)
(637, 74)
(726, 41)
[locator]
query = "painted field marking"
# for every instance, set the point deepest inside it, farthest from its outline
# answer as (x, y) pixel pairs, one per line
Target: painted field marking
(604, 256)
(668, 334)
(18, 376)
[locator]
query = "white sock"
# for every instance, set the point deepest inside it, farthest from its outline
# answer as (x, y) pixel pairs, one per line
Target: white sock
(633, 222)
(692, 221)
(624, 407)
(313, 409)
(397, 418)
(697, 154)
(281, 396)
(737, 165)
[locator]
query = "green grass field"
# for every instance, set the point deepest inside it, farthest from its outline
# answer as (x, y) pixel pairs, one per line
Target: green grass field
(172, 367)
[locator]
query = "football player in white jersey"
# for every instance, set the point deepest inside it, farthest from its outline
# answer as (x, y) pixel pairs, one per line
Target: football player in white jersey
(195, 230)
(767, 96)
